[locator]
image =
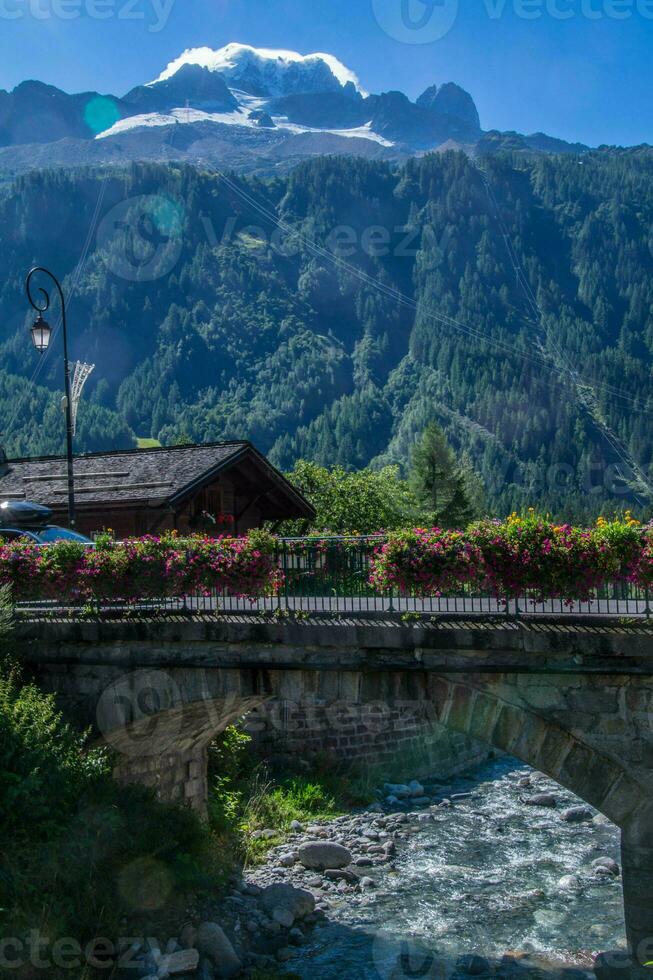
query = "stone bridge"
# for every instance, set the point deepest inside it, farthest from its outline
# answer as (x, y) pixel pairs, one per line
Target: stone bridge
(574, 701)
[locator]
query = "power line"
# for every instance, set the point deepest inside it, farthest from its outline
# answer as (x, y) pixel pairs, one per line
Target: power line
(403, 300)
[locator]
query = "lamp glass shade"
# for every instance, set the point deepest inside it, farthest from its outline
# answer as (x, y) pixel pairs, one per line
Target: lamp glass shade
(41, 334)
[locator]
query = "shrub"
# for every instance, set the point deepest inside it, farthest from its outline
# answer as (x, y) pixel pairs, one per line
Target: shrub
(141, 568)
(43, 767)
(526, 555)
(427, 562)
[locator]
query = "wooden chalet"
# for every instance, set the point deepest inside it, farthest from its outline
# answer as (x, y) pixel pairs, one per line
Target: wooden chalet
(219, 488)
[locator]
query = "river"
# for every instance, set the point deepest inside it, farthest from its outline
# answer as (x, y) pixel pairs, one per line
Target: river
(491, 887)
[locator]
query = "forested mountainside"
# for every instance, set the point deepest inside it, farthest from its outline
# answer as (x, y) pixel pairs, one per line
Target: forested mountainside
(331, 313)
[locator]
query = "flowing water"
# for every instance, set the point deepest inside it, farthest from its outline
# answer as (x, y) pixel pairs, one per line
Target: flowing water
(483, 880)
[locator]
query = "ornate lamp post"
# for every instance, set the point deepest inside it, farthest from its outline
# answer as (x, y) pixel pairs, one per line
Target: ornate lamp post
(41, 336)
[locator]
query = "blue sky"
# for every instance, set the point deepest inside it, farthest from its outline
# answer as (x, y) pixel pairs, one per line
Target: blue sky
(579, 69)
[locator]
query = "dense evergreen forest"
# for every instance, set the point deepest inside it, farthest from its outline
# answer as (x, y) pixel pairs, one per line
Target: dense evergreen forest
(333, 313)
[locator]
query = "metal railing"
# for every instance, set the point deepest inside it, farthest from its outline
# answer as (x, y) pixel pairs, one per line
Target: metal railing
(330, 577)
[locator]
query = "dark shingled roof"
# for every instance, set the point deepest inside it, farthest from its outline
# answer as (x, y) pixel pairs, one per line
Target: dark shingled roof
(161, 476)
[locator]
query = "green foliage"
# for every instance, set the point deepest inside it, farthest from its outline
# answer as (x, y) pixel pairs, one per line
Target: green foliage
(439, 483)
(306, 357)
(43, 767)
(245, 797)
(361, 502)
(77, 850)
(295, 798)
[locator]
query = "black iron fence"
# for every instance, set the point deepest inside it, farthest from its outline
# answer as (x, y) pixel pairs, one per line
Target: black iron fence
(331, 576)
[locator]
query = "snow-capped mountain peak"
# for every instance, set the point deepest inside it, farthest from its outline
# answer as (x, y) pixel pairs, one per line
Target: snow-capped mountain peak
(267, 72)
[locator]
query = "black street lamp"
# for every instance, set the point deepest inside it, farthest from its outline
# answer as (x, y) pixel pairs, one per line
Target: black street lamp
(41, 336)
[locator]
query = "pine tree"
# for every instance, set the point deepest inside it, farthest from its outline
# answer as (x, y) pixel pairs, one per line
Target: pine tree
(439, 483)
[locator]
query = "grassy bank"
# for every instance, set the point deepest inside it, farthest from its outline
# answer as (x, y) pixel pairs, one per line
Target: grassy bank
(246, 797)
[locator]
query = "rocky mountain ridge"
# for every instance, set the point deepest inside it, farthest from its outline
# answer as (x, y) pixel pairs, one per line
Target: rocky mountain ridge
(245, 108)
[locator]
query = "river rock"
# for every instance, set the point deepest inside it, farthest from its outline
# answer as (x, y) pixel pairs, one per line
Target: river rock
(184, 961)
(367, 883)
(287, 860)
(375, 808)
(570, 883)
(607, 865)
(541, 799)
(318, 856)
(416, 788)
(400, 790)
(284, 917)
(214, 944)
(340, 874)
(601, 820)
(296, 826)
(298, 901)
(576, 814)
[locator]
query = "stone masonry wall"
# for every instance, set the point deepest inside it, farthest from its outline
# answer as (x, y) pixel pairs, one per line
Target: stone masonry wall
(179, 777)
(399, 743)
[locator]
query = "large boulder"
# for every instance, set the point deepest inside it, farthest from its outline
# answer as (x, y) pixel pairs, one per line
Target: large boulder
(297, 901)
(606, 865)
(576, 814)
(542, 799)
(213, 943)
(319, 855)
